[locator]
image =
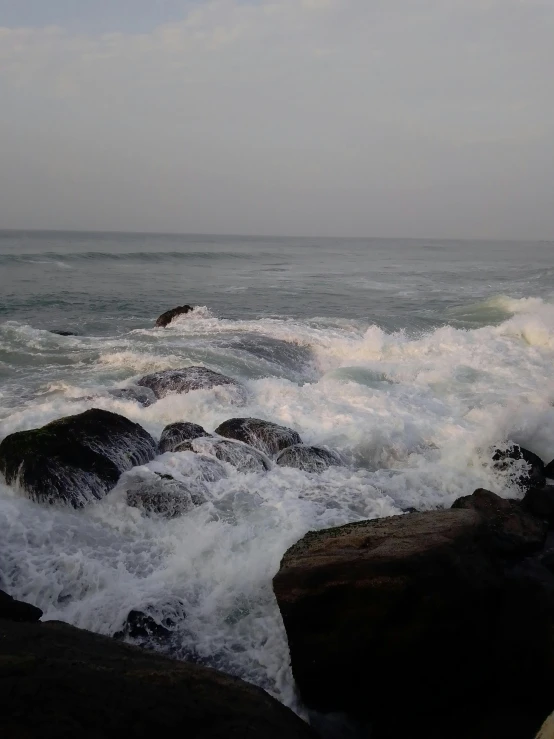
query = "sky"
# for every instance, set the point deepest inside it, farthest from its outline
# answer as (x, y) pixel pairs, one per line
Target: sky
(377, 118)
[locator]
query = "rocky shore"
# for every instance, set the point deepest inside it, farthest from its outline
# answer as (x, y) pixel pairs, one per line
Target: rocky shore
(437, 624)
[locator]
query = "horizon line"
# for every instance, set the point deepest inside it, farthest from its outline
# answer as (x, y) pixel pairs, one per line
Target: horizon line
(120, 232)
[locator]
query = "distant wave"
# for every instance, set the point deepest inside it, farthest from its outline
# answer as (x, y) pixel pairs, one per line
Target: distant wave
(60, 258)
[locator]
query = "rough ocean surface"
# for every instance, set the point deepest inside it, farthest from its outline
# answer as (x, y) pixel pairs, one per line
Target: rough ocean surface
(413, 360)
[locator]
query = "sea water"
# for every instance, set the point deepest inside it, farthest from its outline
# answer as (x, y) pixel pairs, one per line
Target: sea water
(413, 359)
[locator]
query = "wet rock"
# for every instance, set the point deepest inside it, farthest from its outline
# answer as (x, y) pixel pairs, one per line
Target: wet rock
(549, 470)
(144, 628)
(423, 609)
(75, 459)
(141, 395)
(245, 458)
(533, 477)
(207, 468)
(63, 333)
(59, 682)
(169, 315)
(165, 496)
(16, 610)
(309, 458)
(184, 380)
(177, 433)
(268, 437)
(513, 529)
(540, 502)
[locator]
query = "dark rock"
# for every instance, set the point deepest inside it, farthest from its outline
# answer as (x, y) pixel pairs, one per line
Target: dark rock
(184, 380)
(169, 315)
(141, 395)
(268, 437)
(245, 458)
(75, 459)
(549, 470)
(16, 610)
(177, 433)
(512, 529)
(422, 612)
(309, 458)
(58, 682)
(533, 477)
(547, 560)
(63, 333)
(165, 496)
(144, 628)
(540, 502)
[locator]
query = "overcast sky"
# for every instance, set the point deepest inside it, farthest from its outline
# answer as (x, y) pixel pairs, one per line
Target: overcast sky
(423, 118)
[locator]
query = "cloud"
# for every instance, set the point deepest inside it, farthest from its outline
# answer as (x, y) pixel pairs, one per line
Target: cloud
(366, 117)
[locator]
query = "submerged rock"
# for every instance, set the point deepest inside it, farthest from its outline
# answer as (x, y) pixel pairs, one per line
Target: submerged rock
(16, 610)
(142, 627)
(165, 496)
(63, 333)
(141, 395)
(206, 468)
(268, 437)
(169, 315)
(184, 380)
(309, 458)
(245, 458)
(533, 477)
(427, 610)
(75, 459)
(177, 433)
(60, 682)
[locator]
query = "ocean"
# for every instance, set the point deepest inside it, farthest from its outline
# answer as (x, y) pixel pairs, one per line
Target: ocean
(412, 358)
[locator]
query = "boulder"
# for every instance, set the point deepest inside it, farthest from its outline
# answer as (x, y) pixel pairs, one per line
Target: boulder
(512, 529)
(549, 470)
(141, 395)
(309, 458)
(59, 682)
(177, 433)
(75, 459)
(169, 315)
(245, 458)
(16, 610)
(540, 502)
(164, 495)
(268, 437)
(421, 613)
(184, 380)
(534, 476)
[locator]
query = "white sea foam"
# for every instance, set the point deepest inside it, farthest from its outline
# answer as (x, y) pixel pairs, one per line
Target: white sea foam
(416, 416)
